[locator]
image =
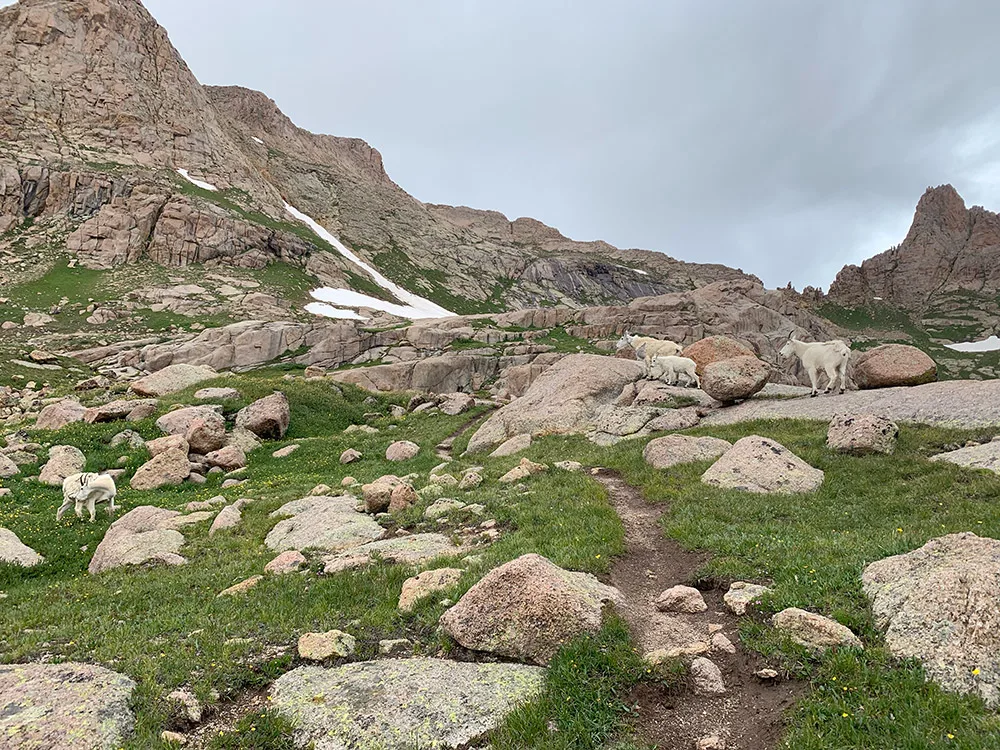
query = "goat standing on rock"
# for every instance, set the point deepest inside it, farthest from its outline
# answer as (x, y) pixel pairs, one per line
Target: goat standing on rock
(830, 356)
(675, 369)
(647, 348)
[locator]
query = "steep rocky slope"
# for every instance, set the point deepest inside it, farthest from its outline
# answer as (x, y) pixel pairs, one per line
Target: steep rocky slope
(941, 285)
(104, 122)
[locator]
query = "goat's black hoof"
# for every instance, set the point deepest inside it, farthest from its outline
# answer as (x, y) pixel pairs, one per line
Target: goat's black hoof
(813, 394)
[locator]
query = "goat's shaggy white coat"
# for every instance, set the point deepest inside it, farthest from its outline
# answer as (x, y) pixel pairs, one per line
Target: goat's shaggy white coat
(829, 356)
(674, 369)
(647, 348)
(87, 489)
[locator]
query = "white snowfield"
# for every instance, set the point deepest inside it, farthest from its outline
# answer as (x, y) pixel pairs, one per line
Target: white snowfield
(258, 140)
(329, 311)
(990, 344)
(200, 183)
(414, 307)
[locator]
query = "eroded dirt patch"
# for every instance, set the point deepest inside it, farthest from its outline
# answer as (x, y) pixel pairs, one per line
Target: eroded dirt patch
(751, 713)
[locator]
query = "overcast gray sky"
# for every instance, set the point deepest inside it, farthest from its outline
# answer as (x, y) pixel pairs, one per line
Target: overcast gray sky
(785, 137)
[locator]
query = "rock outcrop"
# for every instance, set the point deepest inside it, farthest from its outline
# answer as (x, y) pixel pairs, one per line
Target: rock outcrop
(937, 604)
(664, 452)
(397, 704)
(324, 523)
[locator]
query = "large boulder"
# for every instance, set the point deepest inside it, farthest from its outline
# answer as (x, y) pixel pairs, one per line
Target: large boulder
(331, 524)
(206, 435)
(985, 456)
(734, 379)
(61, 413)
(397, 704)
(862, 433)
(565, 398)
(893, 364)
(179, 421)
(229, 458)
(715, 349)
(413, 549)
(938, 604)
(759, 464)
(173, 379)
(123, 408)
(671, 450)
(14, 552)
(167, 469)
(66, 705)
(145, 534)
(267, 418)
(528, 608)
(64, 460)
(401, 450)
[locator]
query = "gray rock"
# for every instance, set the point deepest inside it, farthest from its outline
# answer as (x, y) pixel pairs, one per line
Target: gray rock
(129, 438)
(443, 507)
(323, 646)
(514, 445)
(985, 456)
(425, 584)
(415, 549)
(216, 394)
(862, 433)
(14, 552)
(172, 379)
(938, 604)
(671, 450)
(65, 705)
(145, 534)
(761, 465)
(742, 594)
(706, 676)
(396, 704)
(331, 524)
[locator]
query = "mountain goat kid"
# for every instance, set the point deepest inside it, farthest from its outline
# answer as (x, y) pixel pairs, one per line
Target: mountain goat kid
(830, 356)
(88, 489)
(675, 369)
(647, 348)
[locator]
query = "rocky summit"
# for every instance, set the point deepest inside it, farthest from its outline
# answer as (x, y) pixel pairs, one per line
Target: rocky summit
(289, 458)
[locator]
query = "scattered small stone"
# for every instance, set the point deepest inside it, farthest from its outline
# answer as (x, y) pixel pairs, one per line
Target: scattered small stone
(173, 738)
(402, 450)
(742, 594)
(286, 451)
(242, 587)
(425, 584)
(287, 562)
(443, 507)
(710, 743)
(572, 466)
(707, 677)
(350, 456)
(187, 705)
(722, 643)
(323, 646)
(684, 599)
(470, 481)
(395, 647)
(814, 631)
(766, 674)
(320, 490)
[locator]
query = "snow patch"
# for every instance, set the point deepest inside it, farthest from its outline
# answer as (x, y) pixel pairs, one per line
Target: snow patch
(414, 307)
(990, 344)
(635, 270)
(329, 311)
(878, 299)
(200, 183)
(258, 140)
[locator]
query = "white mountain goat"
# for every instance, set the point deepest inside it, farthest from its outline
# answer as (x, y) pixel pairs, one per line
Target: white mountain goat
(89, 489)
(830, 356)
(675, 369)
(646, 348)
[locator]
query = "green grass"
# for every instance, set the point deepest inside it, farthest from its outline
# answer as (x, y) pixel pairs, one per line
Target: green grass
(565, 342)
(168, 628)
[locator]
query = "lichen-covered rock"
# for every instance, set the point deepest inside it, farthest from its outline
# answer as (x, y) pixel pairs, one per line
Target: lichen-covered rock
(167, 469)
(66, 705)
(172, 379)
(323, 646)
(528, 608)
(415, 549)
(145, 534)
(985, 456)
(893, 365)
(267, 418)
(759, 464)
(862, 433)
(735, 379)
(397, 704)
(671, 450)
(331, 524)
(216, 394)
(14, 552)
(938, 604)
(742, 594)
(64, 460)
(814, 631)
(425, 584)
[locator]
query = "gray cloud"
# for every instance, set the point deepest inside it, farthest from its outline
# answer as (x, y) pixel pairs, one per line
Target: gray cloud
(783, 137)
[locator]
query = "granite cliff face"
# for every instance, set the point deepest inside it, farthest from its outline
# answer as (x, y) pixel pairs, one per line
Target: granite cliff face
(950, 250)
(101, 113)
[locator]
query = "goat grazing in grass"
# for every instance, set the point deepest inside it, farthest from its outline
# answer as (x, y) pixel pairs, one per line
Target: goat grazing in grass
(830, 356)
(87, 489)
(647, 348)
(674, 369)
